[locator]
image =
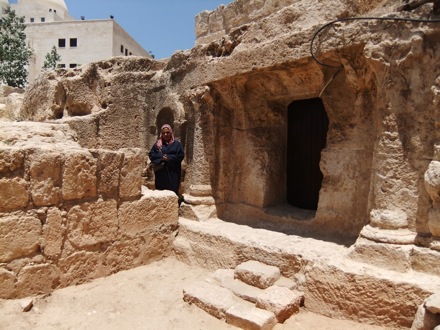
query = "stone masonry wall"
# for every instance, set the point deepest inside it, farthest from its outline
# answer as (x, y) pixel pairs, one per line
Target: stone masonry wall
(68, 214)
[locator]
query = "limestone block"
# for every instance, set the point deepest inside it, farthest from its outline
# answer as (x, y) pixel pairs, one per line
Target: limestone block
(197, 212)
(225, 278)
(86, 128)
(7, 287)
(152, 210)
(422, 260)
(212, 298)
(10, 160)
(92, 223)
(82, 266)
(388, 219)
(45, 178)
(257, 274)
(14, 194)
(286, 283)
(250, 317)
(389, 256)
(35, 279)
(19, 236)
(131, 173)
(424, 320)
(54, 231)
(79, 176)
(432, 180)
(281, 301)
(129, 253)
(432, 303)
(26, 304)
(109, 164)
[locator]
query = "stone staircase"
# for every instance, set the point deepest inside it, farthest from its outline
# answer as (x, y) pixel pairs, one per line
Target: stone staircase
(251, 296)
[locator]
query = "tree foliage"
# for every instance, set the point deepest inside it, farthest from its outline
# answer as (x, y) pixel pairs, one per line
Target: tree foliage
(52, 59)
(14, 52)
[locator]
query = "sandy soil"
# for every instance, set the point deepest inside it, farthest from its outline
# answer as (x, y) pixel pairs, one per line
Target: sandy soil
(148, 297)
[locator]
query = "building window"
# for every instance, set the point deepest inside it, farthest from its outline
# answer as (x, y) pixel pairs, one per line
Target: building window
(122, 49)
(126, 52)
(61, 43)
(73, 42)
(32, 19)
(131, 54)
(43, 19)
(71, 65)
(61, 65)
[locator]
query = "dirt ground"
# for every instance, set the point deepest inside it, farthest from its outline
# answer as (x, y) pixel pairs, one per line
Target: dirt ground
(148, 297)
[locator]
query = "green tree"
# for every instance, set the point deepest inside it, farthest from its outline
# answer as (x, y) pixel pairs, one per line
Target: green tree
(52, 58)
(14, 52)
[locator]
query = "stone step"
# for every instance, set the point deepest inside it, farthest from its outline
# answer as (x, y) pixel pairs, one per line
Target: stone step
(247, 316)
(257, 274)
(210, 297)
(225, 295)
(280, 301)
(331, 280)
(225, 278)
(223, 304)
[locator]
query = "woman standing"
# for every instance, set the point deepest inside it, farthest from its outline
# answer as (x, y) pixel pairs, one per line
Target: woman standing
(167, 155)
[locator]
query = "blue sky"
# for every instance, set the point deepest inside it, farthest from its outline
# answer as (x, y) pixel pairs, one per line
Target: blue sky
(159, 26)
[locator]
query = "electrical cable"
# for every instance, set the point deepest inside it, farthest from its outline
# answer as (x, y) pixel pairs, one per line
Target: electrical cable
(418, 20)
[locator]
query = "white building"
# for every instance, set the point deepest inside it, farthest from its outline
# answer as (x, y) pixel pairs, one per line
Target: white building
(48, 24)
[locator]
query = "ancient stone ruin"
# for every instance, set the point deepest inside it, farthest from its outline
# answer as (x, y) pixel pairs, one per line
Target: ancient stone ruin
(311, 137)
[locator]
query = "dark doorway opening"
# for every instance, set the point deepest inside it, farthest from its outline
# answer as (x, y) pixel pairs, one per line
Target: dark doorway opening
(306, 137)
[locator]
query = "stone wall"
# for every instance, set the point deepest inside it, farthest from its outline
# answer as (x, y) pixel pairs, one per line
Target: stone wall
(69, 214)
(228, 100)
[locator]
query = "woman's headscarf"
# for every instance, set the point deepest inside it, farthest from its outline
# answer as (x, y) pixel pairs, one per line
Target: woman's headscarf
(159, 142)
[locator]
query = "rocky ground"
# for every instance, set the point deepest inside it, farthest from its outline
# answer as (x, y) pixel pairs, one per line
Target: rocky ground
(148, 297)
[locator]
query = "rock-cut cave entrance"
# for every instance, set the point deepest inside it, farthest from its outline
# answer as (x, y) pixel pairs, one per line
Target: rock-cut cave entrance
(306, 137)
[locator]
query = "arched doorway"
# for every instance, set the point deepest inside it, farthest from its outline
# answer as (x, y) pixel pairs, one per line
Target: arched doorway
(306, 137)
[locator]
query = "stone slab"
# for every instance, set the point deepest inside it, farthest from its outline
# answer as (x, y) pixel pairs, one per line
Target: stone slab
(249, 317)
(257, 274)
(225, 278)
(286, 283)
(432, 303)
(281, 301)
(212, 298)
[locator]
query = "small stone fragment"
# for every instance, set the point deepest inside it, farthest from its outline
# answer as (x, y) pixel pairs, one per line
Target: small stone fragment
(26, 304)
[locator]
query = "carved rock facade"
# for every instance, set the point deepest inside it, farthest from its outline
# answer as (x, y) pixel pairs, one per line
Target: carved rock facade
(231, 100)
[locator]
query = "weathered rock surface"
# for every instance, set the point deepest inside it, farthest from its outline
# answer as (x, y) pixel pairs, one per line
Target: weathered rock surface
(230, 100)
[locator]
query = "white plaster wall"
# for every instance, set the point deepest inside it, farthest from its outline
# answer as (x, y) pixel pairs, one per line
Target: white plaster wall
(96, 40)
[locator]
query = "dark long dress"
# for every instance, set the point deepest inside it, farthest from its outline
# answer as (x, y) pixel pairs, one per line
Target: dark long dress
(168, 178)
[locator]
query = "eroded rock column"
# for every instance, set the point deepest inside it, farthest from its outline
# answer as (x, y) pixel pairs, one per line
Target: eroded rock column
(198, 201)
